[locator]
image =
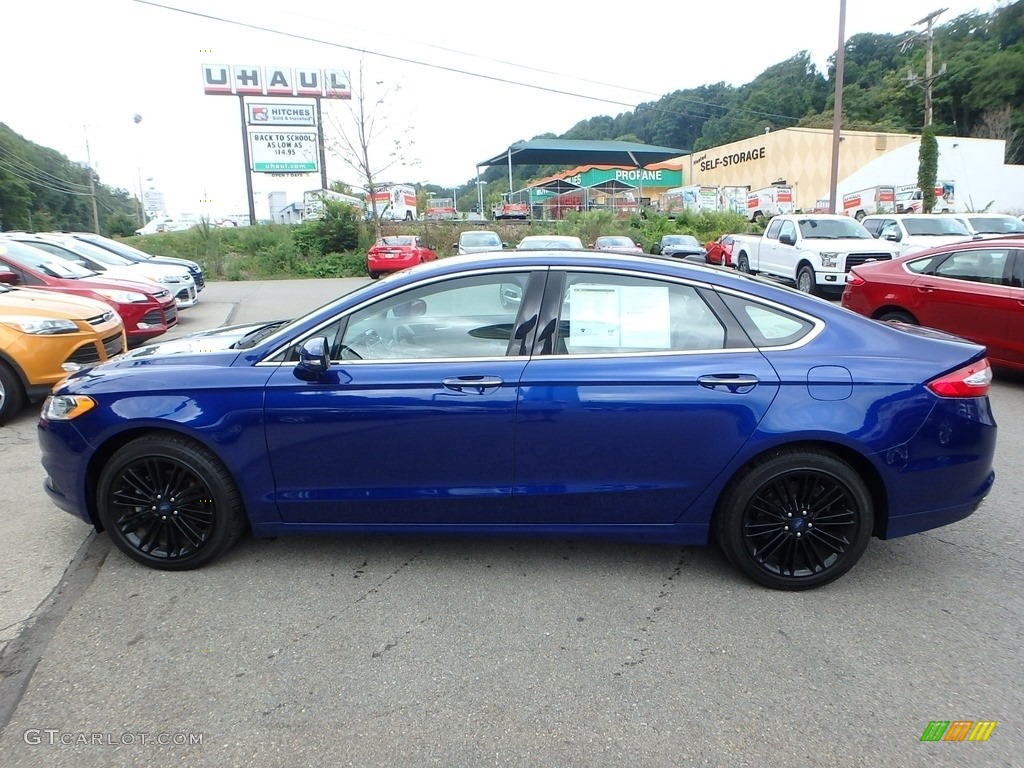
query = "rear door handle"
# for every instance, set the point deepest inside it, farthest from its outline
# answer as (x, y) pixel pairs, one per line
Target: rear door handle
(733, 382)
(478, 384)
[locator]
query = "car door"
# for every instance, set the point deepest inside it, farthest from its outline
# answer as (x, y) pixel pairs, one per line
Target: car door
(968, 293)
(1015, 333)
(414, 420)
(640, 391)
(769, 247)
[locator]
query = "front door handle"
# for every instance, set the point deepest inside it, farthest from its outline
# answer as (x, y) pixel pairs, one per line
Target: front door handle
(478, 384)
(732, 382)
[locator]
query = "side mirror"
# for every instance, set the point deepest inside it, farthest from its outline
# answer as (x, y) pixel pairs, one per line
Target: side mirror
(314, 359)
(8, 277)
(894, 236)
(455, 246)
(787, 239)
(656, 249)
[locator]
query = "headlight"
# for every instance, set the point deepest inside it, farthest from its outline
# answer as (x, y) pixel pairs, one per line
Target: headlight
(122, 297)
(41, 326)
(171, 279)
(829, 258)
(66, 407)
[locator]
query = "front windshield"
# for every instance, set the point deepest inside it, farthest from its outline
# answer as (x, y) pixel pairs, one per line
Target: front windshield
(615, 241)
(479, 239)
(1002, 225)
(34, 258)
(96, 253)
(833, 229)
(118, 247)
(935, 226)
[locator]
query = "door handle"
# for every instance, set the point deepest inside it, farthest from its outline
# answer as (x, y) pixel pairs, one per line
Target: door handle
(733, 382)
(926, 289)
(479, 384)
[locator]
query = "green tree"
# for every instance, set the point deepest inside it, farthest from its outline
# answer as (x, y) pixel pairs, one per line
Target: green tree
(928, 167)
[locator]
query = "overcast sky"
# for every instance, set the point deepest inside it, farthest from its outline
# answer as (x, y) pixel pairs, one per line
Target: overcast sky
(77, 68)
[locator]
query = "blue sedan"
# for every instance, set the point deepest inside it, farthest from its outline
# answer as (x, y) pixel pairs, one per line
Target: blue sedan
(550, 393)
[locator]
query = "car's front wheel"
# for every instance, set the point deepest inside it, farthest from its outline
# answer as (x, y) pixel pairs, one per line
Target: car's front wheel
(12, 396)
(169, 503)
(796, 519)
(806, 282)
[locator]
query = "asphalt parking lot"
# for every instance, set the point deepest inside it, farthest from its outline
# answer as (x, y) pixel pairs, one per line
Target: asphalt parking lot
(370, 651)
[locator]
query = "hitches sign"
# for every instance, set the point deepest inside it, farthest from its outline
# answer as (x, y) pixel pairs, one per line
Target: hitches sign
(244, 80)
(281, 114)
(284, 151)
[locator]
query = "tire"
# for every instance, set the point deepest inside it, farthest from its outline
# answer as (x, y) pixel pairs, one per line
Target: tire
(12, 395)
(796, 519)
(897, 315)
(169, 503)
(743, 264)
(805, 282)
(374, 275)
(408, 215)
(860, 216)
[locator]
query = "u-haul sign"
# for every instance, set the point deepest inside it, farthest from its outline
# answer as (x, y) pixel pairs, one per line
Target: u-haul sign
(280, 114)
(251, 80)
(276, 151)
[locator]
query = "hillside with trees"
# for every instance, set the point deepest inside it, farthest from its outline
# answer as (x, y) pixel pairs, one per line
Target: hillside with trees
(41, 189)
(980, 95)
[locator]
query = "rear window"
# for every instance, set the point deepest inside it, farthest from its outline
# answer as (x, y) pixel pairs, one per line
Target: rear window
(766, 325)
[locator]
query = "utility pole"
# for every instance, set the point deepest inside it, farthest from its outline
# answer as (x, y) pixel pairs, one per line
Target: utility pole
(930, 76)
(92, 184)
(837, 111)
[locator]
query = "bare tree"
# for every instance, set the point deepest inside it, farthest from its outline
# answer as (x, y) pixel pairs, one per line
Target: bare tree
(998, 124)
(366, 141)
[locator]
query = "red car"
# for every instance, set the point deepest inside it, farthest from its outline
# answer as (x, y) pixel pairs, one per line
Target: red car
(147, 309)
(720, 251)
(395, 252)
(974, 289)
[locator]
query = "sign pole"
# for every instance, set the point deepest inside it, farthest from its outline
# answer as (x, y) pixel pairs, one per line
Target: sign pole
(248, 164)
(320, 142)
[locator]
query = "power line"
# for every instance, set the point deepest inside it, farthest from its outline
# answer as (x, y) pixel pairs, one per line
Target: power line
(456, 70)
(37, 173)
(16, 172)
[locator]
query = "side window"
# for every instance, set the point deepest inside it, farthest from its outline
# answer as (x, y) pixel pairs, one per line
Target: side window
(616, 314)
(767, 326)
(1017, 281)
(773, 230)
(890, 231)
(23, 277)
(788, 228)
(981, 265)
(465, 317)
(872, 226)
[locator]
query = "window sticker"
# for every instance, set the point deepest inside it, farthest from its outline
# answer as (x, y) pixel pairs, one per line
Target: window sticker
(612, 316)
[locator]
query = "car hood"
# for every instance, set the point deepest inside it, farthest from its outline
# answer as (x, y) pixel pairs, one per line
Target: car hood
(27, 301)
(214, 340)
(853, 244)
(101, 282)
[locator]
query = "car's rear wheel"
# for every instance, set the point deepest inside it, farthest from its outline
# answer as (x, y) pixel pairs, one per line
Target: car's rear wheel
(169, 503)
(743, 264)
(12, 396)
(897, 315)
(374, 275)
(796, 519)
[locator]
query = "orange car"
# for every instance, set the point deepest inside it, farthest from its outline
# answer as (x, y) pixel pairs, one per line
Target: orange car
(44, 335)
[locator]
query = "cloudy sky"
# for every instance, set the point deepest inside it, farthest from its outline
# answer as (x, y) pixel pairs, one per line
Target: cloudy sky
(462, 80)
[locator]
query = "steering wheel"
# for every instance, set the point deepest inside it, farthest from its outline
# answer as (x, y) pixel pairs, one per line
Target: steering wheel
(403, 334)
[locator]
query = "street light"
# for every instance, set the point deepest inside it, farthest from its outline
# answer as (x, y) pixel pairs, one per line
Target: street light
(138, 170)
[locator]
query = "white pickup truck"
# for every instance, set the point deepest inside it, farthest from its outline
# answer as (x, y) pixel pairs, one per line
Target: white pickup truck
(812, 251)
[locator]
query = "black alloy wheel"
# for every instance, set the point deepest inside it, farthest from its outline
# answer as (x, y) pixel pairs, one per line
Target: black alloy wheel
(797, 519)
(169, 503)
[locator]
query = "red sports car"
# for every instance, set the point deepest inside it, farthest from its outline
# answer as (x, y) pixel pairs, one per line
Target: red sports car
(974, 289)
(395, 252)
(720, 251)
(147, 309)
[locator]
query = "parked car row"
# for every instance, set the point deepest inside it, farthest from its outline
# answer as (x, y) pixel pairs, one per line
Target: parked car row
(73, 299)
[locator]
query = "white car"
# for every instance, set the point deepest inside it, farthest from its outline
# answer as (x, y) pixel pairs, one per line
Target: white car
(550, 243)
(915, 232)
(177, 280)
(155, 226)
(991, 223)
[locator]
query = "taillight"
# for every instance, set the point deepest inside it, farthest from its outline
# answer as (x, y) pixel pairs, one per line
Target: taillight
(854, 280)
(970, 381)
